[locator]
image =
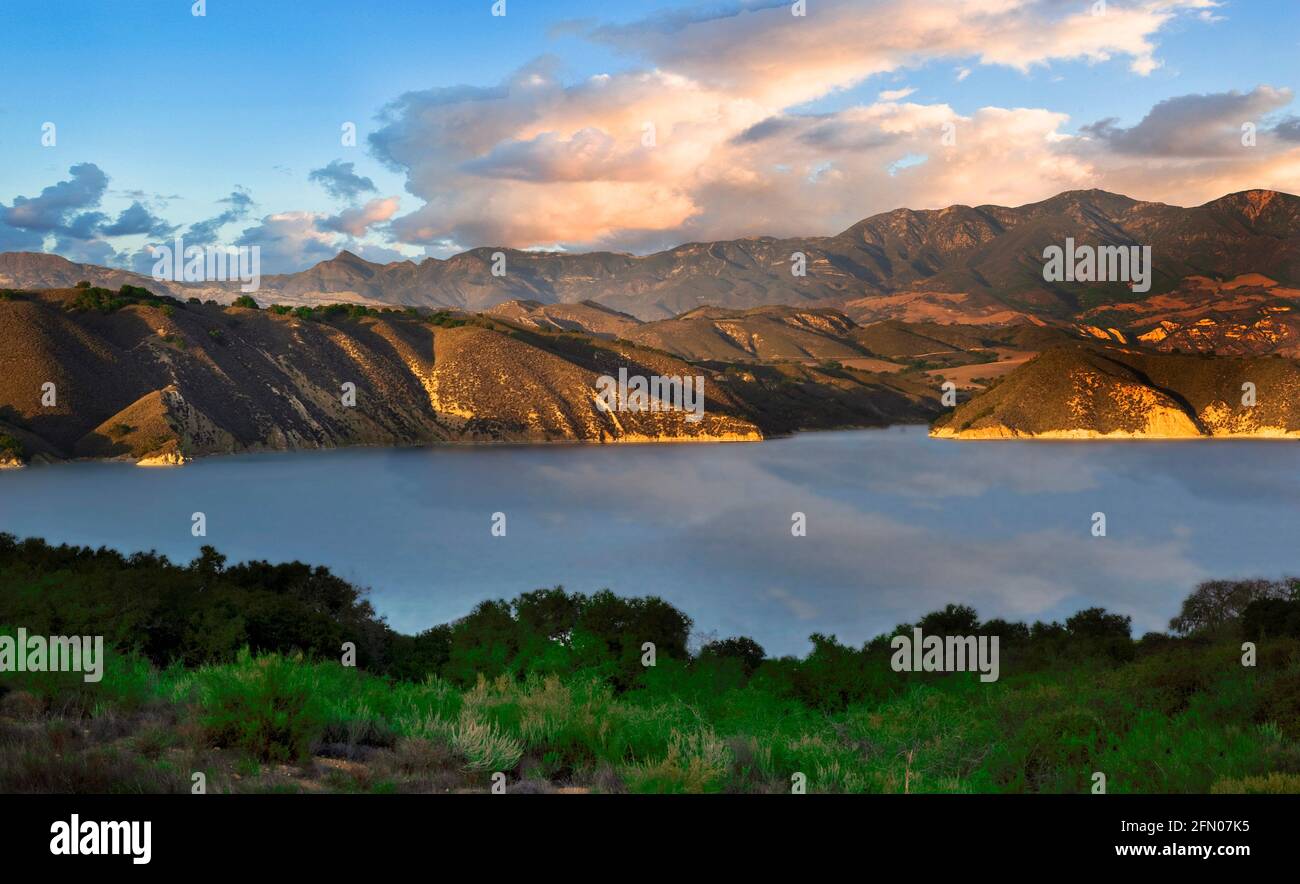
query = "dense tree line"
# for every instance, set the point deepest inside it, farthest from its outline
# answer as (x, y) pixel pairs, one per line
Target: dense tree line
(207, 610)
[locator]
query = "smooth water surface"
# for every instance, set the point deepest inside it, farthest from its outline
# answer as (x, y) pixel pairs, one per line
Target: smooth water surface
(898, 524)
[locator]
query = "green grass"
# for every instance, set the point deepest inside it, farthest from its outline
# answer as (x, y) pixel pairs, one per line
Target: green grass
(1168, 722)
(549, 690)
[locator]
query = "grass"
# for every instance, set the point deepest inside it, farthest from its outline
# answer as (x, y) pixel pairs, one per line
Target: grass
(1174, 720)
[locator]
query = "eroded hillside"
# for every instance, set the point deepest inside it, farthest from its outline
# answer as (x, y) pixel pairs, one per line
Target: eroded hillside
(1083, 392)
(159, 380)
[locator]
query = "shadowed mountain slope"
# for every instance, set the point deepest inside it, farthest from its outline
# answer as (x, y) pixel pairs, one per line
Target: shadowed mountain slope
(143, 377)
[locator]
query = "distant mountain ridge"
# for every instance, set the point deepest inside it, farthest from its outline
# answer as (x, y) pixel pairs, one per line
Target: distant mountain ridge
(958, 264)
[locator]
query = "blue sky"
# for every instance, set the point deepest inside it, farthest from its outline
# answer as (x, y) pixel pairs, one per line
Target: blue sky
(254, 92)
(178, 111)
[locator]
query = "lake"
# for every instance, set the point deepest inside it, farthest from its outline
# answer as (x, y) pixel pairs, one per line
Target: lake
(898, 524)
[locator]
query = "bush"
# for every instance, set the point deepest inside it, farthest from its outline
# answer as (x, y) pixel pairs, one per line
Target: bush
(245, 301)
(10, 446)
(102, 300)
(263, 707)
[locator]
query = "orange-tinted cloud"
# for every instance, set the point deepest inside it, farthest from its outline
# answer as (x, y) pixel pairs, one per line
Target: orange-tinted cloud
(702, 141)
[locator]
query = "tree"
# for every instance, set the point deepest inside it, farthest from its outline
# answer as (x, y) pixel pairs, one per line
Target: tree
(1007, 632)
(551, 613)
(245, 301)
(749, 652)
(1271, 618)
(485, 641)
(614, 630)
(208, 561)
(1097, 624)
(1216, 602)
(952, 620)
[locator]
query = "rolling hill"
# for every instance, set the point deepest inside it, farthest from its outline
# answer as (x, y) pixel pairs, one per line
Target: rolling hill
(160, 380)
(584, 316)
(1084, 391)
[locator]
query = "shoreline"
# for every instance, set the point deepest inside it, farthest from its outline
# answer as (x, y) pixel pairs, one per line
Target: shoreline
(155, 462)
(168, 462)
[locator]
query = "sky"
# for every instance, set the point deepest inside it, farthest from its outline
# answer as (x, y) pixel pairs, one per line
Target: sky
(632, 127)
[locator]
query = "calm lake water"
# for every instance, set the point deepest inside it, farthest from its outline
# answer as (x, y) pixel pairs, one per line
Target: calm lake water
(898, 524)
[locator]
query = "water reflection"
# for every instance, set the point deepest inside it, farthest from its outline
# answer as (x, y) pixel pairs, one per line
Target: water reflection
(897, 524)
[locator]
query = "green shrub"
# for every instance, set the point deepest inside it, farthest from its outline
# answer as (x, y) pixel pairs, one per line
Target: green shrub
(261, 706)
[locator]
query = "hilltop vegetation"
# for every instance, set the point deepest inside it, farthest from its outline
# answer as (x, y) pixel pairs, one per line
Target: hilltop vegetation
(234, 670)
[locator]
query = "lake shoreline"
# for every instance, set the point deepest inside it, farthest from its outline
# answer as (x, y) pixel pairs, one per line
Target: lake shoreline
(150, 462)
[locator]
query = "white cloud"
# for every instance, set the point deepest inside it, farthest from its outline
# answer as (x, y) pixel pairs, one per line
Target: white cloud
(894, 94)
(703, 142)
(289, 241)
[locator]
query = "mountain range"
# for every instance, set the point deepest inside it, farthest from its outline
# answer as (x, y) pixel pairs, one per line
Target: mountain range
(889, 311)
(971, 264)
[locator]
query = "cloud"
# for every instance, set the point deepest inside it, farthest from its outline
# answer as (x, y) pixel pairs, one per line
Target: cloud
(377, 254)
(13, 239)
(842, 42)
(1192, 125)
(357, 221)
(702, 138)
(86, 251)
(1288, 129)
(51, 211)
(68, 212)
(294, 240)
(289, 241)
(341, 181)
(704, 134)
(135, 219)
(64, 210)
(205, 232)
